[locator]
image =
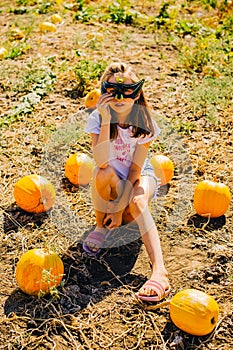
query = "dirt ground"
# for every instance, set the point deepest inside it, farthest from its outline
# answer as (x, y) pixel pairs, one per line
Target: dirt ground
(95, 307)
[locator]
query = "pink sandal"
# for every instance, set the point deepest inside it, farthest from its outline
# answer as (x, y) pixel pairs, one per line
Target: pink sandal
(97, 238)
(158, 288)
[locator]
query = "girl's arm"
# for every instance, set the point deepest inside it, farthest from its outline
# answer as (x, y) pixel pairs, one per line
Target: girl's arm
(139, 158)
(101, 142)
(101, 146)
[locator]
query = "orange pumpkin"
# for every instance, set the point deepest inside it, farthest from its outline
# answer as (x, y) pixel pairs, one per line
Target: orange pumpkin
(194, 311)
(79, 169)
(39, 270)
(211, 198)
(92, 98)
(34, 193)
(163, 168)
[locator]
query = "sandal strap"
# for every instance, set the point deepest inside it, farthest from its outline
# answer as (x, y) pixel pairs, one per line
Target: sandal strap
(95, 237)
(157, 287)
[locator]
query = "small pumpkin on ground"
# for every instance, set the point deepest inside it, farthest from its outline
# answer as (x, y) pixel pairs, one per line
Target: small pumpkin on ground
(163, 168)
(47, 27)
(16, 34)
(56, 18)
(194, 312)
(34, 193)
(39, 270)
(3, 52)
(79, 169)
(211, 198)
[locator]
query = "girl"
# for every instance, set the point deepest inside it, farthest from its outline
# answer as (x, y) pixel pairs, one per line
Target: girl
(122, 129)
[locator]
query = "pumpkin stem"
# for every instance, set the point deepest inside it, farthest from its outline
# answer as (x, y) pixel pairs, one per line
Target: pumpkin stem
(158, 306)
(216, 178)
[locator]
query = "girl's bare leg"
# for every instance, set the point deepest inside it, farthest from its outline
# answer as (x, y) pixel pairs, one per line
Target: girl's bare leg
(139, 211)
(105, 186)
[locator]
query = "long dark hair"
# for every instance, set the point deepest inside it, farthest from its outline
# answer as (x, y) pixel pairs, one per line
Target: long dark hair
(140, 117)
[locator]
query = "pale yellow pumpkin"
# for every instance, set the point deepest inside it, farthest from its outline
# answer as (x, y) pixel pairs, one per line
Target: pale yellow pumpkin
(194, 311)
(163, 168)
(34, 193)
(79, 169)
(211, 198)
(56, 18)
(47, 27)
(39, 270)
(3, 52)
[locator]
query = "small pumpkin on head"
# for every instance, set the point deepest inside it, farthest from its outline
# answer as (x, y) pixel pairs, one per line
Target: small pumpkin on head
(91, 99)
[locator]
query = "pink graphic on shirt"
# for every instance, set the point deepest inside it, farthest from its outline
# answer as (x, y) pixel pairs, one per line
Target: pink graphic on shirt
(122, 150)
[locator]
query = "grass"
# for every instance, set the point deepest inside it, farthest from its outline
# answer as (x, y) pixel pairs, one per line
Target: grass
(211, 96)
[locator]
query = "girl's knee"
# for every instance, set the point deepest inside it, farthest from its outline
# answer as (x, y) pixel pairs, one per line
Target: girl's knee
(138, 204)
(103, 174)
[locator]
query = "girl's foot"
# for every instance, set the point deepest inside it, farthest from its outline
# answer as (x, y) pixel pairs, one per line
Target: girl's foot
(94, 241)
(155, 289)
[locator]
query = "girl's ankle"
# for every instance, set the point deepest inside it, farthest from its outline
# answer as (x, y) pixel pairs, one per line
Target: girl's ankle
(100, 229)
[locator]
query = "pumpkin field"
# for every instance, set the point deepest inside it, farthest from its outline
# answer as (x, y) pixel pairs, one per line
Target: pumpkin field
(52, 55)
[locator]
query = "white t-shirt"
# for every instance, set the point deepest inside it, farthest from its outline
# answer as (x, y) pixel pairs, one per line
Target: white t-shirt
(123, 147)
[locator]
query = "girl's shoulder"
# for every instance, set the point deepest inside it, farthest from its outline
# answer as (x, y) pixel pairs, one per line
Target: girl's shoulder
(93, 122)
(95, 115)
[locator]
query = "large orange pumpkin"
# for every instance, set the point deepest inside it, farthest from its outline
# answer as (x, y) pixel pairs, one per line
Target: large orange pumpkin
(163, 168)
(211, 198)
(194, 311)
(79, 169)
(34, 193)
(38, 270)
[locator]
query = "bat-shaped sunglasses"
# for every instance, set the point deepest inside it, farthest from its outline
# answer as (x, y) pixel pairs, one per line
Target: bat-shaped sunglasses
(120, 90)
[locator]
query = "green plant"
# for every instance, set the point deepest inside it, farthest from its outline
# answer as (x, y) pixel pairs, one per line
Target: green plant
(118, 14)
(85, 15)
(38, 82)
(209, 3)
(183, 27)
(163, 17)
(25, 2)
(87, 72)
(17, 50)
(185, 128)
(45, 7)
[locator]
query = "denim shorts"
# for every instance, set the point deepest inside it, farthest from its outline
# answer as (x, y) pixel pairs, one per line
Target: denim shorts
(148, 170)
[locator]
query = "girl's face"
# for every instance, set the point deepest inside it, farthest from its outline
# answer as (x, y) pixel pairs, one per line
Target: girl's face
(125, 105)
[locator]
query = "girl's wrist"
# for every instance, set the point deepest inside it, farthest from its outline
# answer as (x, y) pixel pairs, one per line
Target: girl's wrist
(105, 119)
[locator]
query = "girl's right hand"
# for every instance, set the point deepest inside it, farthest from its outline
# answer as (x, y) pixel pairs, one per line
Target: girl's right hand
(103, 107)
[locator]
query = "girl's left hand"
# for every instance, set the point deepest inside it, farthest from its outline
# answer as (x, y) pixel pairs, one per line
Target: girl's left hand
(113, 220)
